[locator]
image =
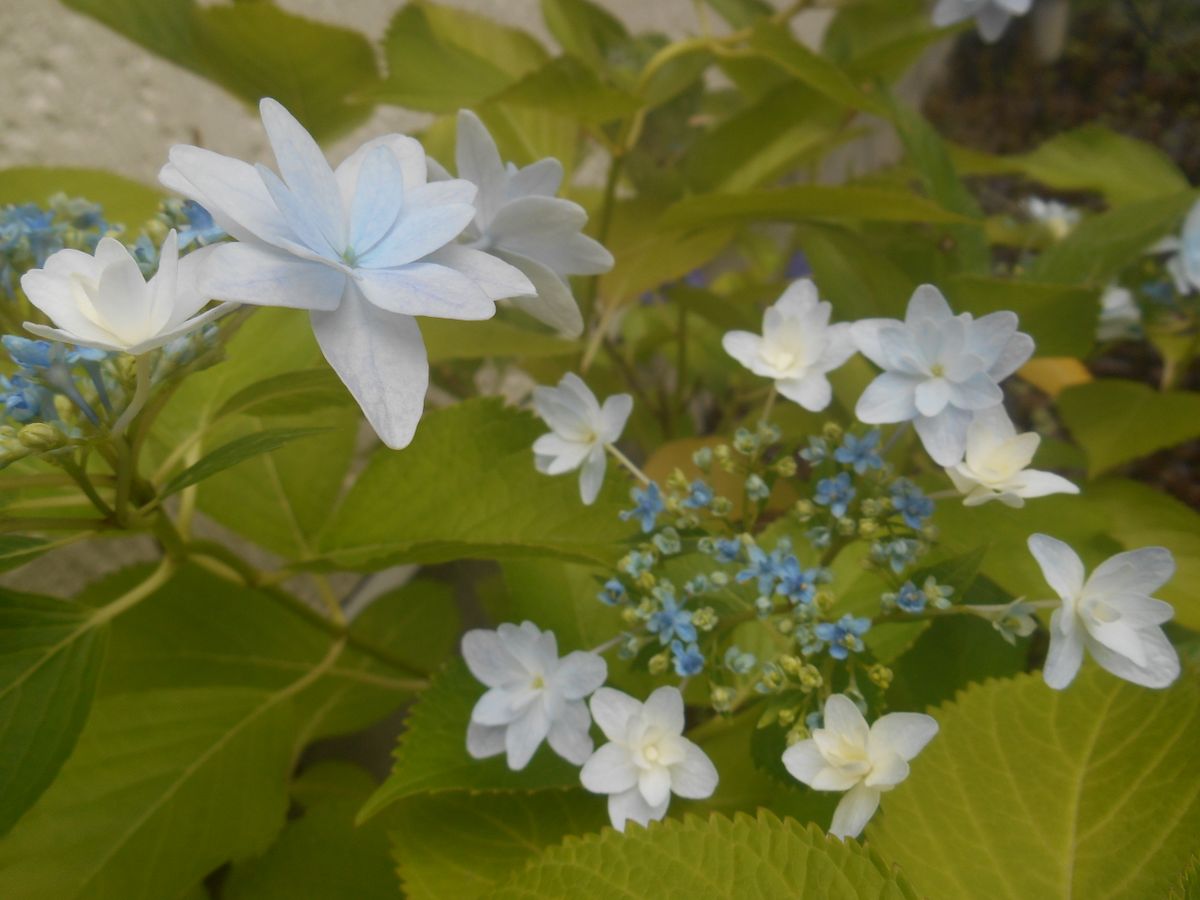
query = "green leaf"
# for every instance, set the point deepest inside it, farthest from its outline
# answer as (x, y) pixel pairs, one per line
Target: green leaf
(467, 486)
(566, 86)
(1060, 318)
(432, 754)
(321, 855)
(1088, 158)
(446, 339)
(1028, 792)
(777, 44)
(50, 657)
(234, 452)
(860, 282)
(1187, 886)
(290, 392)
(463, 845)
(163, 787)
(254, 50)
(125, 201)
(804, 203)
(511, 50)
(717, 857)
(740, 13)
(1117, 421)
(584, 29)
(429, 71)
(18, 549)
(1101, 246)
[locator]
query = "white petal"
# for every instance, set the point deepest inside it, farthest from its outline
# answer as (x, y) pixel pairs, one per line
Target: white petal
(479, 162)
(417, 232)
(694, 777)
(1140, 572)
(525, 735)
(664, 708)
(1015, 354)
(561, 455)
(306, 170)
(631, 806)
(743, 346)
(902, 733)
(378, 199)
(976, 392)
(542, 177)
(570, 742)
(867, 335)
(408, 152)
(991, 22)
(547, 229)
(655, 785)
(813, 392)
(591, 476)
(579, 674)
(988, 335)
(165, 337)
(496, 276)
(1061, 566)
(613, 416)
(944, 436)
(843, 718)
(302, 219)
(610, 770)
(1065, 654)
(498, 706)
(189, 297)
(1161, 666)
(426, 289)
(55, 296)
(932, 396)
(380, 357)
(1032, 483)
(484, 740)
(854, 811)
(887, 770)
(611, 710)
(263, 276)
(804, 761)
(487, 656)
(927, 302)
(552, 301)
(836, 778)
(891, 397)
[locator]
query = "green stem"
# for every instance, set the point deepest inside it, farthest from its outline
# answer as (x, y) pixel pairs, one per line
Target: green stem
(80, 477)
(627, 463)
(141, 393)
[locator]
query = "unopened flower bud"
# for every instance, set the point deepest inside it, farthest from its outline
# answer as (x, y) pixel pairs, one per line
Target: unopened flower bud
(659, 663)
(41, 436)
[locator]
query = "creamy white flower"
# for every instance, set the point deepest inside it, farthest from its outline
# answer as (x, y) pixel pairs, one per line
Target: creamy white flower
(797, 348)
(519, 219)
(1056, 217)
(581, 429)
(939, 369)
(995, 466)
(1111, 614)
(1184, 263)
(1120, 316)
(647, 759)
(991, 16)
(104, 301)
(847, 755)
(533, 694)
(364, 248)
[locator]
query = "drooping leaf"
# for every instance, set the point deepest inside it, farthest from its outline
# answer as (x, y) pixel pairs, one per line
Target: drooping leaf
(718, 857)
(432, 754)
(1117, 421)
(1027, 792)
(467, 486)
(50, 658)
(236, 451)
(463, 845)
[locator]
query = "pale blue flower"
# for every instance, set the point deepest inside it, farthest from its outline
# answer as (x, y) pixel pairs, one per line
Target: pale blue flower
(671, 621)
(912, 504)
(836, 493)
(688, 660)
(860, 453)
(648, 506)
(700, 495)
(843, 636)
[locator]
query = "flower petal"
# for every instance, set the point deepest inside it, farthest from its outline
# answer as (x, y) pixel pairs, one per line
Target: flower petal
(479, 162)
(525, 735)
(1065, 654)
(496, 276)
(572, 743)
(891, 397)
(381, 358)
(1061, 566)
(484, 741)
(551, 302)
(306, 170)
(378, 199)
(813, 392)
(1140, 572)
(655, 785)
(613, 416)
(932, 396)
(944, 436)
(610, 770)
(664, 708)
(611, 710)
(579, 673)
(845, 720)
(265, 276)
(694, 777)
(630, 806)
(804, 761)
(591, 476)
(1161, 666)
(887, 770)
(903, 733)
(418, 231)
(927, 302)
(854, 811)
(487, 656)
(426, 289)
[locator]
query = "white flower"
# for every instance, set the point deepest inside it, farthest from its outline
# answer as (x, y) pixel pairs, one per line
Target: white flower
(1120, 315)
(519, 219)
(995, 464)
(1056, 217)
(797, 348)
(846, 755)
(991, 16)
(581, 429)
(104, 301)
(939, 369)
(648, 758)
(1111, 614)
(363, 248)
(1184, 264)
(533, 696)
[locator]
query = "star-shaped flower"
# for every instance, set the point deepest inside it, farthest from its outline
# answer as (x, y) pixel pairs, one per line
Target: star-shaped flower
(364, 248)
(996, 461)
(533, 694)
(847, 755)
(939, 369)
(1110, 613)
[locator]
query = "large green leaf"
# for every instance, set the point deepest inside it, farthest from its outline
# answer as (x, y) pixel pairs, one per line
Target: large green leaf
(566, 86)
(805, 203)
(1117, 421)
(432, 754)
(125, 201)
(467, 486)
(446, 339)
(50, 656)
(1090, 792)
(321, 855)
(1088, 158)
(462, 845)
(163, 787)
(718, 857)
(254, 50)
(1101, 246)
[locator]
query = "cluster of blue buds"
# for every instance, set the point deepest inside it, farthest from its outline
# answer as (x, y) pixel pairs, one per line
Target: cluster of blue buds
(194, 228)
(29, 233)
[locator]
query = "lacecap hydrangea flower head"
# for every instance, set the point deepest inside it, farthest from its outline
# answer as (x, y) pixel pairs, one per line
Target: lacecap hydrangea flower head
(364, 248)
